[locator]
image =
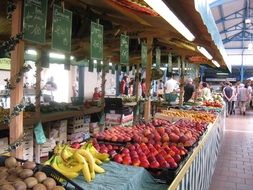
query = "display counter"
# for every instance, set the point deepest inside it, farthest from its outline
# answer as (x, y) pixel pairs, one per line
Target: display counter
(198, 170)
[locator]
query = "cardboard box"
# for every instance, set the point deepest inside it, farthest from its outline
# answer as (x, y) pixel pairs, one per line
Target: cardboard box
(3, 144)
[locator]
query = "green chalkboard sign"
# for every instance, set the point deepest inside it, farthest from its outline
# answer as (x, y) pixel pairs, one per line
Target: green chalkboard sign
(144, 54)
(96, 41)
(61, 29)
(124, 49)
(35, 20)
(158, 57)
(91, 66)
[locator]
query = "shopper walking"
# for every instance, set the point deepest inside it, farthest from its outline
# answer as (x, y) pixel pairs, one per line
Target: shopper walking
(171, 84)
(143, 88)
(234, 99)
(205, 92)
(228, 95)
(243, 98)
(189, 90)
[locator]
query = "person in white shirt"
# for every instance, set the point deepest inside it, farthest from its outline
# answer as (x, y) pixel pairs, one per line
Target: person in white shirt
(170, 85)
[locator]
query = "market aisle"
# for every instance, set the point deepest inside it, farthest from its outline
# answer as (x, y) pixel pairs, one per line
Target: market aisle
(234, 169)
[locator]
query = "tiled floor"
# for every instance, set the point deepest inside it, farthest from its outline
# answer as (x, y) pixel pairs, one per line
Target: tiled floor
(234, 169)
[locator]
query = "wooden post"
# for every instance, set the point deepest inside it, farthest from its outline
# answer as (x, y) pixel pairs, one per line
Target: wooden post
(37, 102)
(147, 108)
(182, 68)
(17, 61)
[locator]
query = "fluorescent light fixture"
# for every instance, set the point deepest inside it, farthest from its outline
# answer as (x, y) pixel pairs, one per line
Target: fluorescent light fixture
(95, 61)
(176, 69)
(247, 21)
(163, 10)
(31, 52)
(110, 63)
(221, 74)
(204, 52)
(250, 46)
(102, 62)
(56, 55)
(216, 63)
(72, 58)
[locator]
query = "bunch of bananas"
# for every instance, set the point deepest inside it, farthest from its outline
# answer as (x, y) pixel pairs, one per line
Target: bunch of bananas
(70, 162)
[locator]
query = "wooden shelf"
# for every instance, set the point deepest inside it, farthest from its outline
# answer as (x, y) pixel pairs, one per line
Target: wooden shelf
(46, 117)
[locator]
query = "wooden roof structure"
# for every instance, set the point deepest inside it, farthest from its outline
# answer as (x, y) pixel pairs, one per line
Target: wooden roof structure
(137, 25)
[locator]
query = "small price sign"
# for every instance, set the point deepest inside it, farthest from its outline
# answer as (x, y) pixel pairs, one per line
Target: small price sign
(144, 54)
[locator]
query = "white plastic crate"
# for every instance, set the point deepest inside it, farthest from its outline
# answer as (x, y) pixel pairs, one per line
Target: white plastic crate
(3, 144)
(76, 121)
(76, 128)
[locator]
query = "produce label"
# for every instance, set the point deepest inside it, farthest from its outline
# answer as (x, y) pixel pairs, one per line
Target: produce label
(35, 20)
(158, 57)
(96, 41)
(39, 134)
(124, 49)
(61, 29)
(144, 55)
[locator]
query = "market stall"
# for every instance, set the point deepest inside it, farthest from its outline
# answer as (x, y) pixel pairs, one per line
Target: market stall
(175, 148)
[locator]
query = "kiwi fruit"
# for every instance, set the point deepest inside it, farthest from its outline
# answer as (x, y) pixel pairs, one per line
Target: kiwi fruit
(7, 187)
(20, 185)
(3, 175)
(3, 169)
(10, 162)
(26, 173)
(39, 186)
(49, 183)
(30, 182)
(40, 176)
(58, 188)
(29, 165)
(12, 178)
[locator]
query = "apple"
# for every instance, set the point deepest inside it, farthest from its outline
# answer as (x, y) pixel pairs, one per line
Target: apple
(173, 137)
(110, 147)
(112, 153)
(125, 151)
(131, 147)
(136, 162)
(165, 164)
(127, 160)
(165, 138)
(177, 158)
(145, 164)
(154, 164)
(118, 158)
(103, 150)
(173, 164)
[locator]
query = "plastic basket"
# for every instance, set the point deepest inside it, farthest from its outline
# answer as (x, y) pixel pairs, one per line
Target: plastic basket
(77, 101)
(57, 176)
(171, 97)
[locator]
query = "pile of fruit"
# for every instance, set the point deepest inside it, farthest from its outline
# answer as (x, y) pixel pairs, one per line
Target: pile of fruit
(71, 162)
(13, 176)
(215, 104)
(199, 116)
(146, 155)
(126, 134)
(184, 133)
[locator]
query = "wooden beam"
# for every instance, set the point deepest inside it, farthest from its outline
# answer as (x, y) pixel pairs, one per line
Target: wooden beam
(17, 61)
(128, 14)
(147, 109)
(181, 82)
